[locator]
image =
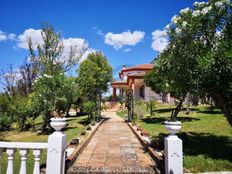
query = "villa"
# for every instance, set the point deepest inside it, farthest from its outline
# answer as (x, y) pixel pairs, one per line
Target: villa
(132, 78)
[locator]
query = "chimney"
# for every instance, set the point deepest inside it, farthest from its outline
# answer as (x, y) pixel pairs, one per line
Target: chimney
(123, 66)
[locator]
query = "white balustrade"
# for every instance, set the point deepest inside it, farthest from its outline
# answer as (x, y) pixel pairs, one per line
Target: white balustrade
(23, 167)
(1, 150)
(10, 153)
(55, 151)
(12, 147)
(37, 153)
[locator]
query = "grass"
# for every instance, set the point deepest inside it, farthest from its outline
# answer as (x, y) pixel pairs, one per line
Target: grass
(74, 128)
(207, 136)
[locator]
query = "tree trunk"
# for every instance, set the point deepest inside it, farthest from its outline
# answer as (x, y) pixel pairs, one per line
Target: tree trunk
(67, 111)
(176, 111)
(44, 125)
(46, 122)
(221, 103)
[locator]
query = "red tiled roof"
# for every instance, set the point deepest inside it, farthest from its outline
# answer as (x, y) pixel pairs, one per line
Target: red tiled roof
(142, 66)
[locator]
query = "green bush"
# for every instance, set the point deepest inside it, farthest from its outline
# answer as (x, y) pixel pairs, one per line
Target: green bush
(89, 108)
(5, 122)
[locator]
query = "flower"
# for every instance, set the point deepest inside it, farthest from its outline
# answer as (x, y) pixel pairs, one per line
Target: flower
(45, 75)
(185, 10)
(218, 4)
(178, 30)
(205, 42)
(196, 13)
(206, 10)
(175, 19)
(199, 4)
(167, 27)
(184, 24)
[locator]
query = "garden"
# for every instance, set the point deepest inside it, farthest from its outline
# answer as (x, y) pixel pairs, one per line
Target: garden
(43, 88)
(196, 70)
(206, 134)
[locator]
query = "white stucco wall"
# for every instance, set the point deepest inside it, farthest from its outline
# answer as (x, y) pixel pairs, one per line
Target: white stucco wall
(136, 92)
(151, 94)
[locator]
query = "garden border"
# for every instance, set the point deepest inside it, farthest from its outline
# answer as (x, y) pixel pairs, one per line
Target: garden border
(71, 159)
(159, 161)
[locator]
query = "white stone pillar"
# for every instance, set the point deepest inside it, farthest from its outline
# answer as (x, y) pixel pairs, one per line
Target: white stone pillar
(56, 148)
(173, 150)
(36, 154)
(1, 150)
(23, 167)
(10, 166)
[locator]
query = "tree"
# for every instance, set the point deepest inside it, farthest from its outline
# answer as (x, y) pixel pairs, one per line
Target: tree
(52, 58)
(8, 78)
(53, 91)
(198, 57)
(53, 94)
(28, 73)
(94, 75)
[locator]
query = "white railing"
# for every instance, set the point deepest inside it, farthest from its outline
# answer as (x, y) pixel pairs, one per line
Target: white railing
(55, 151)
(24, 148)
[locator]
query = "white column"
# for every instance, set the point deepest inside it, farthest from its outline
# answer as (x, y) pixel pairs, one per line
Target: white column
(56, 148)
(36, 154)
(1, 150)
(173, 155)
(10, 166)
(23, 167)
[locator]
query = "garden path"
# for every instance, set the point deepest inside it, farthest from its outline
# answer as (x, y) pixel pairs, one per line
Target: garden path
(114, 149)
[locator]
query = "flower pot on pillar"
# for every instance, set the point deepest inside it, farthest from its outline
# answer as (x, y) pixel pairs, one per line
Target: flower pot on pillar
(56, 147)
(173, 148)
(173, 127)
(58, 123)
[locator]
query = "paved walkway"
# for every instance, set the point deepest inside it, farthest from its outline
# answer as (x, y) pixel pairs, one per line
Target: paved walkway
(114, 149)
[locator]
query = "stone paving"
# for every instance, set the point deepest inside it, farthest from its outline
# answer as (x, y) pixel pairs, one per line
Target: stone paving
(114, 148)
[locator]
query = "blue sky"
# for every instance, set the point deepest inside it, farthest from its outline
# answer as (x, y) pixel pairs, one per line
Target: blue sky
(133, 21)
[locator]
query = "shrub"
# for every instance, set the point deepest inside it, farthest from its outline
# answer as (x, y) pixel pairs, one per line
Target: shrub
(88, 128)
(5, 122)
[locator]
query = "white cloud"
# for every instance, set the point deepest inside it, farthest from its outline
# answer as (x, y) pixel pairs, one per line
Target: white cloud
(3, 36)
(12, 36)
(119, 40)
(35, 36)
(99, 32)
(127, 50)
(86, 53)
(160, 40)
(78, 44)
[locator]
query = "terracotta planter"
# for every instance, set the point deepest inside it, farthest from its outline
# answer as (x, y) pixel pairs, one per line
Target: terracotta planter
(173, 127)
(145, 133)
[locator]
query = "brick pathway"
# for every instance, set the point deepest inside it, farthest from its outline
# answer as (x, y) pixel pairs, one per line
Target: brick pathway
(114, 148)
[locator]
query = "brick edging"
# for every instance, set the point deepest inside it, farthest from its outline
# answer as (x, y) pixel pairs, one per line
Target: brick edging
(159, 161)
(71, 159)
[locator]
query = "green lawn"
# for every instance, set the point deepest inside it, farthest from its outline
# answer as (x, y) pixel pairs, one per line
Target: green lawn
(207, 136)
(74, 128)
